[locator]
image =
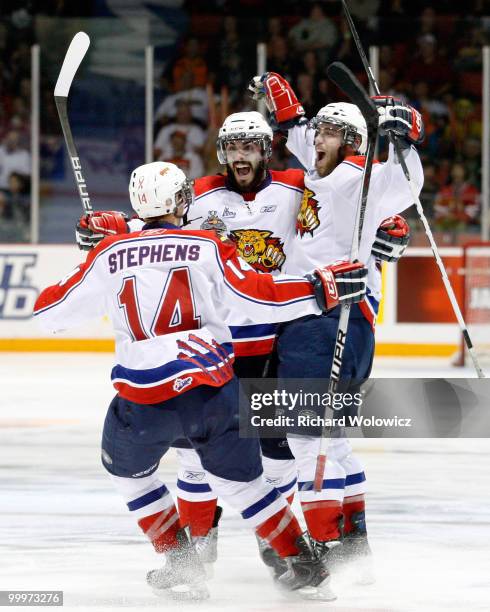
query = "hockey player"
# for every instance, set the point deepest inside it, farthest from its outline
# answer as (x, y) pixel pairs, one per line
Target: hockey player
(171, 295)
(332, 148)
(257, 209)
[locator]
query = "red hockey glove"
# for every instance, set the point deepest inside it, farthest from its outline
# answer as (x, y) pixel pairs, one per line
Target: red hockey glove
(343, 282)
(279, 98)
(91, 229)
(399, 118)
(392, 239)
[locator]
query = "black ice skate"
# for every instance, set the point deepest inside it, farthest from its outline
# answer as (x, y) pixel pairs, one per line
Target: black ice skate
(307, 576)
(207, 546)
(182, 577)
(269, 556)
(356, 552)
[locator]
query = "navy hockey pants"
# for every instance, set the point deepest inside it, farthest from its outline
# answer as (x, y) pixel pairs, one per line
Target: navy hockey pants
(305, 348)
(136, 436)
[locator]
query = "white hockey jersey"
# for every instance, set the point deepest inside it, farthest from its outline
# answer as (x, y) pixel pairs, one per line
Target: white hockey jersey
(171, 296)
(328, 211)
(262, 226)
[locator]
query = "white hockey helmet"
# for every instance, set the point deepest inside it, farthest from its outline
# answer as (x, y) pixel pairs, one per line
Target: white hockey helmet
(158, 189)
(347, 116)
(244, 126)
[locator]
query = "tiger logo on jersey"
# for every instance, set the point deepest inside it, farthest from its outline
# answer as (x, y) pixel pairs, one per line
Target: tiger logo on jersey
(213, 222)
(307, 220)
(259, 248)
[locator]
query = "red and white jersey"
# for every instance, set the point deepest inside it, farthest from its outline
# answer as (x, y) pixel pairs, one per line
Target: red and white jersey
(327, 216)
(171, 296)
(262, 226)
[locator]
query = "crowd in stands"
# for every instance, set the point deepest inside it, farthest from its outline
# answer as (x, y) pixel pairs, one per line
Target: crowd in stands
(15, 92)
(428, 55)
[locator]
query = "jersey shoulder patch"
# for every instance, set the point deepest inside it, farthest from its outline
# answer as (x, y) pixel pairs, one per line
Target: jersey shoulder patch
(294, 177)
(358, 160)
(206, 184)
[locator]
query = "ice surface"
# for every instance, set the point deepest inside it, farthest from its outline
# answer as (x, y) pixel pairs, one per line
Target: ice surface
(63, 527)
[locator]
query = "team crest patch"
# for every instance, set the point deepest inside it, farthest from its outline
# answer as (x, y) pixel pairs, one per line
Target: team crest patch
(307, 220)
(181, 383)
(213, 222)
(259, 248)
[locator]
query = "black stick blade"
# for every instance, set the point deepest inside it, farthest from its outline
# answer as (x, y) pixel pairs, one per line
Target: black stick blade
(345, 79)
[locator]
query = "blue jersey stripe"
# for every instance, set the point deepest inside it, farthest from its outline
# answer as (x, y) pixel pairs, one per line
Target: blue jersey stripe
(353, 479)
(285, 488)
(252, 331)
(329, 483)
(261, 504)
(190, 487)
(147, 498)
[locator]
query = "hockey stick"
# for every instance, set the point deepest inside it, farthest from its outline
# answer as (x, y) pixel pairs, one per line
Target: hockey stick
(347, 82)
(73, 58)
(418, 204)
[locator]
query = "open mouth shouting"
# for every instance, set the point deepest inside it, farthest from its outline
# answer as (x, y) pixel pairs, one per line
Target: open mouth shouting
(320, 155)
(243, 170)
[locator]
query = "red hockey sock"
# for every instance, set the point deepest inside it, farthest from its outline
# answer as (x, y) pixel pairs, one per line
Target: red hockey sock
(199, 516)
(281, 531)
(161, 528)
(322, 518)
(352, 504)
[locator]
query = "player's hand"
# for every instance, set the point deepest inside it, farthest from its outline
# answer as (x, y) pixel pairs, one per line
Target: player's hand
(91, 229)
(392, 239)
(279, 98)
(341, 283)
(400, 119)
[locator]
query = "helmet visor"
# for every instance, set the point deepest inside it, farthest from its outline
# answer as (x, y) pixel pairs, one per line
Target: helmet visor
(237, 148)
(184, 199)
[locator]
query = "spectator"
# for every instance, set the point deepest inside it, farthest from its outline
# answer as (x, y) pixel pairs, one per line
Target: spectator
(315, 33)
(307, 93)
(465, 122)
(471, 156)
(274, 27)
(429, 190)
(195, 97)
(192, 61)
(233, 52)
(457, 204)
(15, 201)
(183, 123)
(190, 163)
(308, 64)
(279, 58)
(13, 159)
(428, 64)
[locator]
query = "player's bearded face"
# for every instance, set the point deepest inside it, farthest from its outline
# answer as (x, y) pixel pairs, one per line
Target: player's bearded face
(246, 162)
(328, 142)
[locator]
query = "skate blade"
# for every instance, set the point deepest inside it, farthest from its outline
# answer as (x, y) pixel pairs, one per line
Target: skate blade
(184, 592)
(323, 592)
(316, 593)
